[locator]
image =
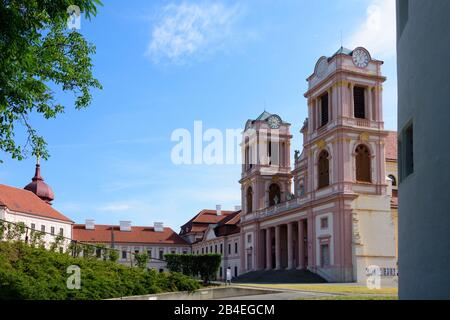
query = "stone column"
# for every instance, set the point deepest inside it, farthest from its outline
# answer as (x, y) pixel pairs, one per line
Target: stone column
(277, 248)
(290, 257)
(330, 104)
(310, 241)
(301, 246)
(370, 114)
(268, 249)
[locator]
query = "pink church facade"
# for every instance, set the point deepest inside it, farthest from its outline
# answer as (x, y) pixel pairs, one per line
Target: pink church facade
(340, 218)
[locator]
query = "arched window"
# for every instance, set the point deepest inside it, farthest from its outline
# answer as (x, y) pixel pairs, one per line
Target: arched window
(274, 194)
(394, 180)
(362, 163)
(324, 169)
(249, 199)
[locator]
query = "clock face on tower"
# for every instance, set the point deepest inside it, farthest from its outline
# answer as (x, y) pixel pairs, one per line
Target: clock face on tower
(274, 121)
(360, 58)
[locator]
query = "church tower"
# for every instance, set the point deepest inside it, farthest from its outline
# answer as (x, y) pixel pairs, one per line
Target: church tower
(266, 170)
(338, 223)
(344, 135)
(39, 187)
(343, 167)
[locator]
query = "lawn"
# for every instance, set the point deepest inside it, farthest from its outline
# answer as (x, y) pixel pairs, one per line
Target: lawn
(354, 290)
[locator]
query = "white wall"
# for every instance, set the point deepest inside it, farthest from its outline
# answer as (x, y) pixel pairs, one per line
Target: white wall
(376, 231)
(28, 219)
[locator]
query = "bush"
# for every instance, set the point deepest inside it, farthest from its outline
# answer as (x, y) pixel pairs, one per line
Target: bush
(28, 272)
(141, 260)
(204, 265)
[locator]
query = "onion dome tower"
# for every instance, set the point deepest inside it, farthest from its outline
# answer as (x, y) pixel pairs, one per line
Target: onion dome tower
(39, 187)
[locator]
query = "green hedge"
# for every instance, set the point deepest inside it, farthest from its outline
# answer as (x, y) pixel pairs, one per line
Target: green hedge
(36, 273)
(203, 265)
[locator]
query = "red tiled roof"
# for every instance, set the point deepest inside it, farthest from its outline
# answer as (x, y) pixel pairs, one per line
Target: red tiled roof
(210, 216)
(199, 223)
(25, 201)
(228, 225)
(391, 146)
(102, 234)
(231, 219)
(199, 228)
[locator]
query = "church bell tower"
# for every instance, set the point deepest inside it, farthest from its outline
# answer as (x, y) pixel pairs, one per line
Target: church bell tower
(266, 177)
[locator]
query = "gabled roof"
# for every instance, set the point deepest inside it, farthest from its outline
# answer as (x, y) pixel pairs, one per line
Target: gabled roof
(138, 234)
(207, 216)
(229, 225)
(391, 146)
(231, 219)
(24, 201)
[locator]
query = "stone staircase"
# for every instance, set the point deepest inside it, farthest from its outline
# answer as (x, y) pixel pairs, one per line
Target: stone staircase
(279, 276)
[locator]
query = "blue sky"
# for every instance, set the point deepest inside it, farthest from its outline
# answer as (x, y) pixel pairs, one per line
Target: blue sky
(166, 64)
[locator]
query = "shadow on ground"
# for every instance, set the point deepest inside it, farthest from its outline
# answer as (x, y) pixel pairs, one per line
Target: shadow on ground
(279, 276)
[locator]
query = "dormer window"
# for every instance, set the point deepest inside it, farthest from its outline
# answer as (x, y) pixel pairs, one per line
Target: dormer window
(359, 102)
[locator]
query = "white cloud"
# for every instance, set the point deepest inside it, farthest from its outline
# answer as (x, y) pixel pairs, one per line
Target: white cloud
(186, 30)
(377, 32)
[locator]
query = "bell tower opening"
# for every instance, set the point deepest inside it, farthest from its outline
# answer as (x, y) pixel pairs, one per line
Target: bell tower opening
(274, 194)
(362, 164)
(359, 102)
(324, 169)
(324, 109)
(249, 200)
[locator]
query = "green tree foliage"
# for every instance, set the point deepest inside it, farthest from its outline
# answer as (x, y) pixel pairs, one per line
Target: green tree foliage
(36, 273)
(113, 255)
(204, 265)
(141, 260)
(38, 55)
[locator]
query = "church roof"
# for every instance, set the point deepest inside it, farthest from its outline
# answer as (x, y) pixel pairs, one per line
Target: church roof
(39, 187)
(343, 50)
(391, 146)
(103, 234)
(24, 201)
(264, 116)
